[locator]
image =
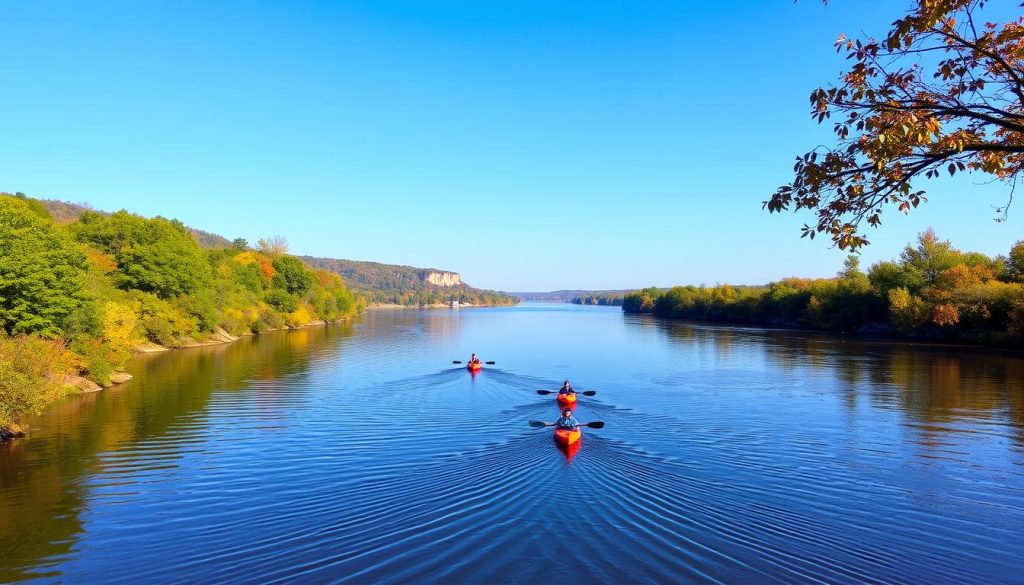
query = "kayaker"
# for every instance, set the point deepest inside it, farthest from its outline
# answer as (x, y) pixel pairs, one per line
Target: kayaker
(567, 421)
(473, 359)
(566, 388)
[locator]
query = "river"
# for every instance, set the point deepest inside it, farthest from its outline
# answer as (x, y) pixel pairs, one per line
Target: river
(360, 453)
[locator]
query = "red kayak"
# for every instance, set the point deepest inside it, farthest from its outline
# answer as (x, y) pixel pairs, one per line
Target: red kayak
(566, 437)
(567, 399)
(474, 367)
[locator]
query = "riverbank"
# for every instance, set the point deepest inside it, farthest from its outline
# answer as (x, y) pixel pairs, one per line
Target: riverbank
(77, 383)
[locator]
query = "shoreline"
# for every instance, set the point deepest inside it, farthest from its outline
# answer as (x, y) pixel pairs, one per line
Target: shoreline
(867, 335)
(77, 384)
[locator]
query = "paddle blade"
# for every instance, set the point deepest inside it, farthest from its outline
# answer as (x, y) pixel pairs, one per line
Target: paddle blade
(544, 392)
(595, 425)
(489, 363)
(456, 362)
(537, 424)
(589, 392)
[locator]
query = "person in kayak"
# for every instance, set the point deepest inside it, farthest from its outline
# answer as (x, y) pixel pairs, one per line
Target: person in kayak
(473, 359)
(566, 388)
(567, 421)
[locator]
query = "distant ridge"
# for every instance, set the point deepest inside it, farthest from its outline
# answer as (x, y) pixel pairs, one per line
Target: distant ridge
(408, 285)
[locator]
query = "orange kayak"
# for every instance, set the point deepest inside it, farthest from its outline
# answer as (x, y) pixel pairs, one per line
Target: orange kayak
(473, 367)
(567, 399)
(567, 437)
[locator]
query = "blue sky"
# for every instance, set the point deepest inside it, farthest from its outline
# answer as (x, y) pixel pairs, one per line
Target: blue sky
(529, 145)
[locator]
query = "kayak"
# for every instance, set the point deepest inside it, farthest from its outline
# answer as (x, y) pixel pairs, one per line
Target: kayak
(567, 437)
(473, 367)
(567, 399)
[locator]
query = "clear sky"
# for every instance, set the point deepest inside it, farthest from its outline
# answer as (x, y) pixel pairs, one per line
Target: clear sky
(529, 145)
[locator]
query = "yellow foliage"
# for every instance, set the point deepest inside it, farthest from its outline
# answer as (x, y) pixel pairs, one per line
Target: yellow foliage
(119, 324)
(246, 257)
(32, 374)
(301, 316)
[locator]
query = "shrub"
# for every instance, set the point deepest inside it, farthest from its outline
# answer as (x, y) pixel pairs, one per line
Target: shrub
(31, 376)
(281, 301)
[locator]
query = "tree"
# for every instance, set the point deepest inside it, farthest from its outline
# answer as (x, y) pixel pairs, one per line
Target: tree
(41, 272)
(240, 244)
(281, 300)
(273, 246)
(930, 257)
(291, 275)
(943, 92)
(1015, 262)
(153, 255)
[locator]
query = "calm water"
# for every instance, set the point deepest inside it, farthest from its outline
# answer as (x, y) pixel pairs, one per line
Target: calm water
(359, 453)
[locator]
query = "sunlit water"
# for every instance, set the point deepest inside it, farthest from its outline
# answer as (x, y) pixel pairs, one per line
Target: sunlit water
(360, 453)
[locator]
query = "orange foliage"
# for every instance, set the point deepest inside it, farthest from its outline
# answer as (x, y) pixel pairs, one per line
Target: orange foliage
(100, 261)
(962, 275)
(945, 314)
(266, 268)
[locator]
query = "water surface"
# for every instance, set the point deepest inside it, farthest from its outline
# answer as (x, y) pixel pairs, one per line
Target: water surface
(360, 453)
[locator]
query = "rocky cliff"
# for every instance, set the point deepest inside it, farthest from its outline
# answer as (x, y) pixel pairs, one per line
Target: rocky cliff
(441, 278)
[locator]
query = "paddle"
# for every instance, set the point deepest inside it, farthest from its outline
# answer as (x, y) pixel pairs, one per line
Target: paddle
(538, 424)
(583, 392)
(458, 362)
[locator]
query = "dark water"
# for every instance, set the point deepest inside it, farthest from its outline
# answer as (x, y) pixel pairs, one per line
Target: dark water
(359, 453)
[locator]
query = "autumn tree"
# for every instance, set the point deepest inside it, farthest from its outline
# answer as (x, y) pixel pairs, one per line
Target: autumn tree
(942, 93)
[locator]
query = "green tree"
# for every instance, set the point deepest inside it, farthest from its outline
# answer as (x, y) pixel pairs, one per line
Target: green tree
(292, 275)
(1015, 262)
(281, 301)
(41, 272)
(930, 257)
(153, 255)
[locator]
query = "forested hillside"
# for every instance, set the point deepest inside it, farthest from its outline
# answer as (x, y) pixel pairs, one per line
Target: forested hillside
(78, 296)
(405, 285)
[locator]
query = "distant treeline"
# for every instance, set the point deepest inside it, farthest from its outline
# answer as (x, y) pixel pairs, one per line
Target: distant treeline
(78, 297)
(931, 291)
(435, 295)
(614, 300)
(568, 295)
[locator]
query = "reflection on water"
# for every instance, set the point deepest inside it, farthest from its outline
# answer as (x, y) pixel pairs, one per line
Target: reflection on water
(937, 388)
(360, 453)
(41, 478)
